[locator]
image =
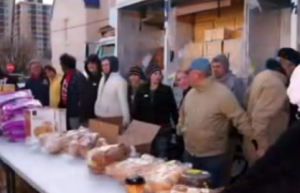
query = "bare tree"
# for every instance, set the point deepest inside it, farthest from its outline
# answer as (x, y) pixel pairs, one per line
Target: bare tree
(20, 52)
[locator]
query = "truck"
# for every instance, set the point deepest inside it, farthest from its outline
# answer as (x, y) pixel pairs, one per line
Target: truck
(103, 47)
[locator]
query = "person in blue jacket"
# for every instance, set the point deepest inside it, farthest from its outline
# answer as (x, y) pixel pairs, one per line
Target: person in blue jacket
(38, 83)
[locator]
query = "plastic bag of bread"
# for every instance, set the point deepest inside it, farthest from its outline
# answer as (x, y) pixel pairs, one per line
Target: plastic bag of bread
(100, 157)
(53, 143)
(164, 176)
(131, 167)
(187, 189)
(88, 141)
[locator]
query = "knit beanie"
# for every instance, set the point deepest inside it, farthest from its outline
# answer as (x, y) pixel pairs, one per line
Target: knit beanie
(152, 68)
(136, 70)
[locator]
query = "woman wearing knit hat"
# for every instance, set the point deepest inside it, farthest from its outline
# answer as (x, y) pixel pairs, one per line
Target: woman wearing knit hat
(154, 103)
(135, 79)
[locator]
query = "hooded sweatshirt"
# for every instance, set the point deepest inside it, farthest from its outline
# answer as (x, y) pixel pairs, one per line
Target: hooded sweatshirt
(90, 90)
(234, 84)
(112, 94)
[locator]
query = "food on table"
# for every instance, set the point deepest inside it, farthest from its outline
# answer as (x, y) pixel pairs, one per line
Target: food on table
(135, 184)
(53, 143)
(195, 178)
(46, 127)
(100, 157)
(164, 176)
(132, 166)
(188, 189)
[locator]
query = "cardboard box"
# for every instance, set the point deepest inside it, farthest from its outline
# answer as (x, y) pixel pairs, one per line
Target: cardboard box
(213, 48)
(217, 34)
(209, 35)
(138, 134)
(222, 34)
(193, 50)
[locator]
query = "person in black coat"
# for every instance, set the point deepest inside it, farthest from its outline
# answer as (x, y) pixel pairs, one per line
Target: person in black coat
(38, 83)
(155, 103)
(93, 75)
(135, 78)
(72, 91)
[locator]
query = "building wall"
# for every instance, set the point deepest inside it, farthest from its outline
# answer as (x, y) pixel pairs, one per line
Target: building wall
(6, 7)
(65, 38)
(32, 22)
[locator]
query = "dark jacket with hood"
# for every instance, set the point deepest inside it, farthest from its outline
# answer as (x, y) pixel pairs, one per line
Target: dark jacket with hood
(156, 107)
(39, 87)
(90, 89)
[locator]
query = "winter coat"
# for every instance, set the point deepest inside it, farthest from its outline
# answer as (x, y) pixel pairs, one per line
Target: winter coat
(157, 107)
(75, 94)
(112, 98)
(39, 88)
(268, 107)
(205, 117)
(277, 171)
(54, 91)
(236, 85)
(90, 95)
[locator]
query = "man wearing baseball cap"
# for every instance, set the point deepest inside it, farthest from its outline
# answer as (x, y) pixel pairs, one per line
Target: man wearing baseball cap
(205, 117)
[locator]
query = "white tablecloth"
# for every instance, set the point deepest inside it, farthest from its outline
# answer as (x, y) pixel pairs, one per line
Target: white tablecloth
(53, 173)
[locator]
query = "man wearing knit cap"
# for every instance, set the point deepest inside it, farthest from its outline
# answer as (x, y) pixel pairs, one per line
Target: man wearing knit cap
(135, 79)
(220, 67)
(154, 103)
(205, 117)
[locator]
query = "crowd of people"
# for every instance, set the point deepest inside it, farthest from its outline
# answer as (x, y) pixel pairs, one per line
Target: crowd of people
(218, 114)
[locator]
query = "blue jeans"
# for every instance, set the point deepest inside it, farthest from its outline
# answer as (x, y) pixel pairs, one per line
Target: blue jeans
(217, 166)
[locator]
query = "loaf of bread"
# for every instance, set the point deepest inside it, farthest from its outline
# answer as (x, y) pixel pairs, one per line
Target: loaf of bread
(100, 157)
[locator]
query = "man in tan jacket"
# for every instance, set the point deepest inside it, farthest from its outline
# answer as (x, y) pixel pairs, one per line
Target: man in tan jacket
(205, 117)
(268, 108)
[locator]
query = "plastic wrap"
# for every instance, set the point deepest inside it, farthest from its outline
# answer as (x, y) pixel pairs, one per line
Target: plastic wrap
(52, 143)
(187, 189)
(5, 98)
(164, 176)
(131, 167)
(19, 105)
(13, 123)
(100, 157)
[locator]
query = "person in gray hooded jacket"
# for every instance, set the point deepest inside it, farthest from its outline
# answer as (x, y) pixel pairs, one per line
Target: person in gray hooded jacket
(220, 68)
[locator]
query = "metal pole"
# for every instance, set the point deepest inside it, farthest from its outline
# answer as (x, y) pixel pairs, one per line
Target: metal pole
(294, 24)
(167, 9)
